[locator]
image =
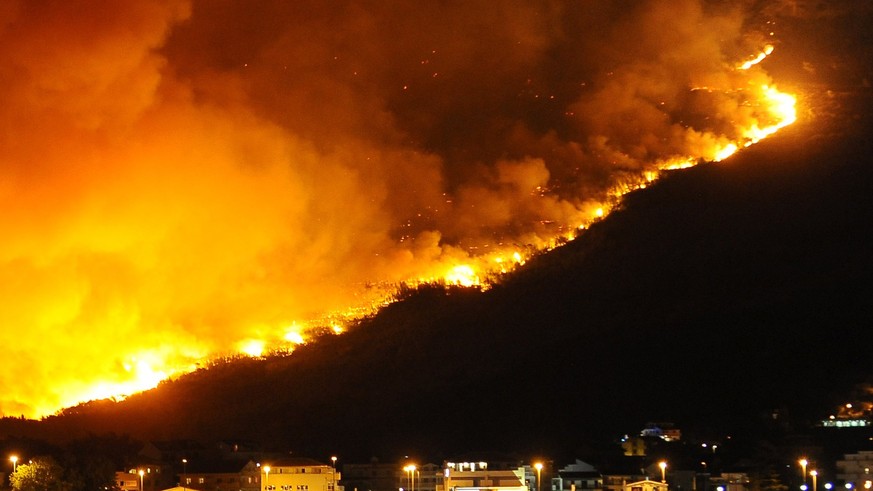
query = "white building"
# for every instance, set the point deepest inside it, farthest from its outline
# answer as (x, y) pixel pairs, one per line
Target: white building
(476, 476)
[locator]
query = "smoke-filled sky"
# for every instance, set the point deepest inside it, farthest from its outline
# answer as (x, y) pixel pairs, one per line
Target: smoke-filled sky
(180, 177)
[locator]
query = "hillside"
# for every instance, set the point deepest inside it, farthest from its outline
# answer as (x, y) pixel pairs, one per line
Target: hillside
(712, 298)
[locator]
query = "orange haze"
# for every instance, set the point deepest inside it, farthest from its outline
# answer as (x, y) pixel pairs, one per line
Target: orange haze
(181, 180)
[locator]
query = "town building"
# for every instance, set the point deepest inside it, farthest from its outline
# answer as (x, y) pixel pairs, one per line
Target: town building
(144, 478)
(426, 477)
(127, 481)
(373, 476)
(221, 475)
(619, 474)
(298, 474)
(379, 476)
(645, 485)
(856, 469)
(579, 476)
(477, 476)
(729, 481)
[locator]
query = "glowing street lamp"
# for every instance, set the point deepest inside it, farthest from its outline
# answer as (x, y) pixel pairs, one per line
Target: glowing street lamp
(333, 473)
(814, 474)
(141, 480)
(267, 478)
(14, 460)
(663, 465)
(539, 467)
(803, 463)
(410, 476)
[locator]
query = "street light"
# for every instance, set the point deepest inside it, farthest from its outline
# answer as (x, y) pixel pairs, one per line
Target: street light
(333, 473)
(267, 479)
(803, 462)
(141, 480)
(663, 465)
(184, 472)
(14, 460)
(410, 476)
(539, 467)
(814, 474)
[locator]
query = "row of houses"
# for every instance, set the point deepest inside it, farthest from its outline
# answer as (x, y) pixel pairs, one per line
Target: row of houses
(280, 474)
(236, 469)
(304, 474)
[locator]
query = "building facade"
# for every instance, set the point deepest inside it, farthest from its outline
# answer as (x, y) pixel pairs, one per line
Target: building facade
(856, 469)
(476, 476)
(298, 474)
(645, 485)
(579, 476)
(373, 476)
(221, 475)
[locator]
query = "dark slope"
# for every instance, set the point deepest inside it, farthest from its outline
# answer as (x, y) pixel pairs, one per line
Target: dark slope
(710, 299)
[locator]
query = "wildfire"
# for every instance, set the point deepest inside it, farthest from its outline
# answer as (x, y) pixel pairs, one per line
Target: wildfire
(183, 210)
(777, 107)
(148, 371)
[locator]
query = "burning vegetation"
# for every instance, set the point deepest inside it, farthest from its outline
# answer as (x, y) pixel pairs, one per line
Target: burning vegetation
(184, 180)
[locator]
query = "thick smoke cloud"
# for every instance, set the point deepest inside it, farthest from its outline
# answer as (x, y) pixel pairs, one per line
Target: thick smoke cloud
(178, 177)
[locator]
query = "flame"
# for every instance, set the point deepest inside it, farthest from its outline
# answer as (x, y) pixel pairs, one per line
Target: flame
(294, 336)
(253, 347)
(725, 152)
(757, 59)
(781, 106)
(463, 275)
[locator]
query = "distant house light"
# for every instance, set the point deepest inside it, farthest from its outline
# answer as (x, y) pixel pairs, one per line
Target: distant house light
(845, 423)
